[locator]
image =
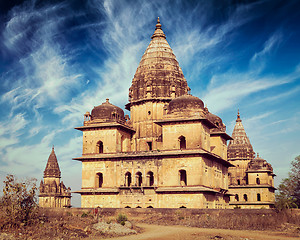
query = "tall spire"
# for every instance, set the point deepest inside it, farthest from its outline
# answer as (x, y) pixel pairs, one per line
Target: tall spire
(52, 168)
(240, 147)
(158, 74)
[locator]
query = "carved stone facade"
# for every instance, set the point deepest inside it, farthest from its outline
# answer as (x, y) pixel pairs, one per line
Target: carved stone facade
(53, 192)
(251, 181)
(172, 153)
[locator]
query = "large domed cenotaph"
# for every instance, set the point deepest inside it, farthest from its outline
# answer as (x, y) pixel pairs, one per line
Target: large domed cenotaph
(170, 153)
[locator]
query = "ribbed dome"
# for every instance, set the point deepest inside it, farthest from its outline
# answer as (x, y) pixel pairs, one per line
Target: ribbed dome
(185, 102)
(158, 74)
(217, 121)
(107, 111)
(259, 164)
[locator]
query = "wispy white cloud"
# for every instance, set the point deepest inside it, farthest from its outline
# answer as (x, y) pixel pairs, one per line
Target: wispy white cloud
(225, 90)
(44, 69)
(259, 59)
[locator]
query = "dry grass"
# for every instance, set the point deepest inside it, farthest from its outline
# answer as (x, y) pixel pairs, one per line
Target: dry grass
(76, 223)
(233, 219)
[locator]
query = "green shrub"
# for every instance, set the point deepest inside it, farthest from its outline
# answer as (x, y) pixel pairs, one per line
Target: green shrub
(122, 218)
(84, 215)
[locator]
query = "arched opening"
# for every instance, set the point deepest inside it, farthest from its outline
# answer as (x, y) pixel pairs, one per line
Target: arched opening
(236, 197)
(182, 177)
(149, 207)
(257, 181)
(99, 180)
(183, 207)
(128, 179)
(182, 142)
(139, 179)
(100, 147)
(127, 207)
(149, 146)
(239, 182)
(150, 178)
(138, 207)
(258, 197)
(245, 197)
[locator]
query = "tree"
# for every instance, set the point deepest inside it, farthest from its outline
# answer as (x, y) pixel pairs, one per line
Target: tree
(288, 195)
(19, 202)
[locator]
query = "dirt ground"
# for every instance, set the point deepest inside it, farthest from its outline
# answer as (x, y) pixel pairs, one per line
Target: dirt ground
(158, 232)
(168, 225)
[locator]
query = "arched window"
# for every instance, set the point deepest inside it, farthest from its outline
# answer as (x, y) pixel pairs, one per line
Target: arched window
(139, 179)
(182, 177)
(182, 142)
(182, 206)
(150, 178)
(258, 197)
(99, 180)
(238, 182)
(237, 197)
(100, 147)
(128, 179)
(245, 197)
(149, 207)
(257, 181)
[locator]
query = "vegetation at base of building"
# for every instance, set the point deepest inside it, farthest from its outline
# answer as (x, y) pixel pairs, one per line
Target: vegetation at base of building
(121, 218)
(288, 192)
(18, 205)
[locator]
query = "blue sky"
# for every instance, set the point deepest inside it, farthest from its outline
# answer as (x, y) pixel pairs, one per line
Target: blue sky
(59, 59)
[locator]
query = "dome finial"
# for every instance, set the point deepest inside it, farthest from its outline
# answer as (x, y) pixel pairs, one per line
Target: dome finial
(158, 31)
(238, 116)
(158, 25)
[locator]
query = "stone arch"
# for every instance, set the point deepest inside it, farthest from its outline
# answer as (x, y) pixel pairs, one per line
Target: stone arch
(257, 180)
(236, 197)
(258, 197)
(182, 142)
(139, 179)
(99, 180)
(128, 179)
(150, 178)
(245, 197)
(99, 147)
(183, 177)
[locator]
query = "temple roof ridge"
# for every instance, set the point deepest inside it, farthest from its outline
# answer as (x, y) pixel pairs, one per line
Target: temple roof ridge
(52, 167)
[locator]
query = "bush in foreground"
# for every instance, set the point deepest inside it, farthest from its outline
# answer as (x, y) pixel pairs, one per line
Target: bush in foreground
(18, 204)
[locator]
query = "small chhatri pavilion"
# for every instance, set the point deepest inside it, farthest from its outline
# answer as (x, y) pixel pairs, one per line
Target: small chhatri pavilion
(53, 192)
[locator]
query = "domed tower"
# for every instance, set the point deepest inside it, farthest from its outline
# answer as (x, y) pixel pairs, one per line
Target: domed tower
(158, 79)
(251, 179)
(105, 130)
(53, 193)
